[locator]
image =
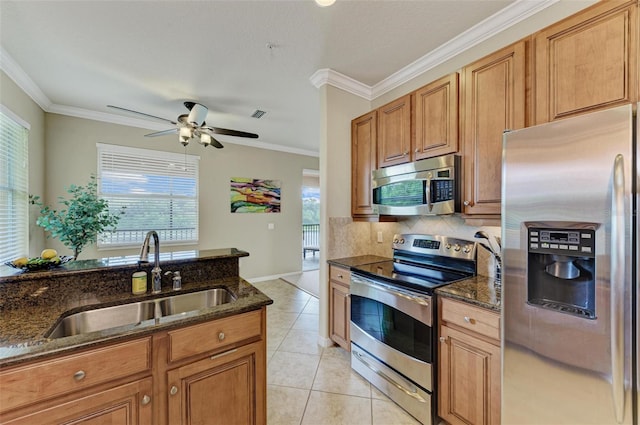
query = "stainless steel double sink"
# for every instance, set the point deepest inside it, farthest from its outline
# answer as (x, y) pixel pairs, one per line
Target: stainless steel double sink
(137, 312)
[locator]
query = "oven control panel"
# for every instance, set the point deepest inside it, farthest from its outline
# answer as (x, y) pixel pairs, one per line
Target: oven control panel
(435, 245)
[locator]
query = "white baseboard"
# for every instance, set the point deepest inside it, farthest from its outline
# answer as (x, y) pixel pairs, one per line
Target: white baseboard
(272, 277)
(325, 342)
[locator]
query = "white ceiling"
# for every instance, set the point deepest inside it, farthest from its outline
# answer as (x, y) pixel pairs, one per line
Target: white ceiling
(76, 57)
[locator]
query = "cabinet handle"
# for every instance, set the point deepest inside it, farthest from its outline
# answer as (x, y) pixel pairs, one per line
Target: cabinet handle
(173, 390)
(469, 320)
(221, 336)
(146, 400)
(405, 153)
(468, 203)
(79, 375)
(443, 339)
(340, 276)
(417, 150)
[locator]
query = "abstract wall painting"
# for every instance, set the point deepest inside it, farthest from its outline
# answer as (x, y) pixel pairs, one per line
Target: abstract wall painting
(255, 195)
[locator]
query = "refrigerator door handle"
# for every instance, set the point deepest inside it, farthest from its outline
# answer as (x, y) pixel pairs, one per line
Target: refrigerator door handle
(617, 286)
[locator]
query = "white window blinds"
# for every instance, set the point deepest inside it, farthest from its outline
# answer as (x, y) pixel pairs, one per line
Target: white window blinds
(14, 187)
(158, 189)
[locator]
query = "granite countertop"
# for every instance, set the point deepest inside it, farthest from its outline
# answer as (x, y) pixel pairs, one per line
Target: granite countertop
(477, 290)
(10, 273)
(22, 330)
(349, 262)
(31, 308)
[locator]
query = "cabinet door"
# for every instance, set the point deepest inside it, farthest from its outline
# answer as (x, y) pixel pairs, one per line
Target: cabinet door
(394, 132)
(128, 404)
(436, 118)
(339, 314)
(363, 162)
(587, 62)
(494, 100)
(469, 379)
(221, 389)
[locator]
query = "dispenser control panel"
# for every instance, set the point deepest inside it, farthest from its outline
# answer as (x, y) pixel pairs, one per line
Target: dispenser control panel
(571, 242)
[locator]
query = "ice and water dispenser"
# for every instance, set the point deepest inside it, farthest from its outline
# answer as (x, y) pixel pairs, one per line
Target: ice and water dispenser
(561, 270)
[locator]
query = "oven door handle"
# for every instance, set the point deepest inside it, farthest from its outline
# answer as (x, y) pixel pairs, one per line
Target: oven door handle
(394, 292)
(410, 392)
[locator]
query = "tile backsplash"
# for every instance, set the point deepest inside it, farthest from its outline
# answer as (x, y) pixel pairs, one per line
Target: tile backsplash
(348, 238)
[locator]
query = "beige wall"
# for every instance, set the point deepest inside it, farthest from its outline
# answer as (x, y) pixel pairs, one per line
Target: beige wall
(12, 97)
(72, 157)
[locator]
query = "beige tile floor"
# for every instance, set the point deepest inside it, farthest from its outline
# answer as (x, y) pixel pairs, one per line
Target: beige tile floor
(308, 384)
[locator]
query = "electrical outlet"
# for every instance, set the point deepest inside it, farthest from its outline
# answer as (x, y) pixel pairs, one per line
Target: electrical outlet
(271, 226)
(380, 240)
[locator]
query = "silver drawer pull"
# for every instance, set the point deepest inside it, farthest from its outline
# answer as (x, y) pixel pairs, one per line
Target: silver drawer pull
(146, 400)
(223, 354)
(340, 276)
(443, 339)
(468, 319)
(79, 375)
(221, 336)
(173, 390)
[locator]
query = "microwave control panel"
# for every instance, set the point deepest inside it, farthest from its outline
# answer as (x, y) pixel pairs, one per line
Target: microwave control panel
(442, 190)
(570, 242)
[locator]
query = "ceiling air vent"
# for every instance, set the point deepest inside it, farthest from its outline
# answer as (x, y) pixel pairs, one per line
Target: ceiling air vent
(258, 113)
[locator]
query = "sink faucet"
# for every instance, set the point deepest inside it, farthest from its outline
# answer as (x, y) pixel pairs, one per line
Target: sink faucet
(156, 272)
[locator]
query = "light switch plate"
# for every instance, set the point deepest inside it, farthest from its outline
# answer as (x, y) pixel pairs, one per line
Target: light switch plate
(271, 226)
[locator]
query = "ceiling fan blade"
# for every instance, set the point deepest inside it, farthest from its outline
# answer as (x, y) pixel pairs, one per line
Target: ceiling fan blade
(227, 132)
(162, 133)
(216, 144)
(141, 113)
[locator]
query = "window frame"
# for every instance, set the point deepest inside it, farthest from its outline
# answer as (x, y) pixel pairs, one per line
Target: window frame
(155, 155)
(23, 214)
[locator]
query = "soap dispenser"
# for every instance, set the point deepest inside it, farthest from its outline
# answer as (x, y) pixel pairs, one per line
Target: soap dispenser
(177, 280)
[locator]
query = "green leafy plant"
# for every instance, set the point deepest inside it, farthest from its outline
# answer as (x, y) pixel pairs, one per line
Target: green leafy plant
(84, 217)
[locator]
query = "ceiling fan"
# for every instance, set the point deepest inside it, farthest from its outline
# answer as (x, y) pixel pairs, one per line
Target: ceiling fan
(192, 125)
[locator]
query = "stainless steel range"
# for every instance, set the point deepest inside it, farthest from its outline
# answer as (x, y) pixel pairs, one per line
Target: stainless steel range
(393, 317)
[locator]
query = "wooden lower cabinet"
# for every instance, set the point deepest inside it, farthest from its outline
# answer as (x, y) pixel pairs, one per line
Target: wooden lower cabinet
(219, 377)
(221, 389)
(469, 368)
(128, 404)
(339, 306)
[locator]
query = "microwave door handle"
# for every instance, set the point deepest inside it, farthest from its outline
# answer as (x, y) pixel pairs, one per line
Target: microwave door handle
(617, 287)
(428, 194)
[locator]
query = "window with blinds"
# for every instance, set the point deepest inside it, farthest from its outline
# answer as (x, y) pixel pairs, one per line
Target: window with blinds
(158, 189)
(14, 187)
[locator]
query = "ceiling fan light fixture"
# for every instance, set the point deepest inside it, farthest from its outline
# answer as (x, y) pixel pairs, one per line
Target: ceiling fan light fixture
(185, 135)
(205, 139)
(325, 3)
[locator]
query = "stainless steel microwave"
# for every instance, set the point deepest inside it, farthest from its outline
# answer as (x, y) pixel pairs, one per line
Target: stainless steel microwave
(427, 187)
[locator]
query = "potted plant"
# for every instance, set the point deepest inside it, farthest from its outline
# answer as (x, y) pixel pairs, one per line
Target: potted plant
(84, 217)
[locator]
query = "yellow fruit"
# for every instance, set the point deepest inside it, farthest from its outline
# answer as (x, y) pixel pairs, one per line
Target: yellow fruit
(48, 254)
(20, 262)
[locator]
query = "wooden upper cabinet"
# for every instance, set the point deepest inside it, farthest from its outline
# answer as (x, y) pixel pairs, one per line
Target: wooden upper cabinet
(436, 118)
(587, 61)
(394, 132)
(363, 162)
(493, 91)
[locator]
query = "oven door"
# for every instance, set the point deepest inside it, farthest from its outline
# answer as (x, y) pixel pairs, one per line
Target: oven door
(395, 326)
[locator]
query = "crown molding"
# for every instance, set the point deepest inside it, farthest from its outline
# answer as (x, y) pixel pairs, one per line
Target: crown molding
(493, 25)
(22, 80)
(341, 81)
(516, 12)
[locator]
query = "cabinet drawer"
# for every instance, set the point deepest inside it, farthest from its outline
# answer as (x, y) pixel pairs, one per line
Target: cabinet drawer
(42, 380)
(214, 335)
(340, 275)
(475, 319)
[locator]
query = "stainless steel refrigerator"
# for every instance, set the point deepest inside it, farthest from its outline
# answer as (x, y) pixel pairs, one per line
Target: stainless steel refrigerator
(570, 255)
